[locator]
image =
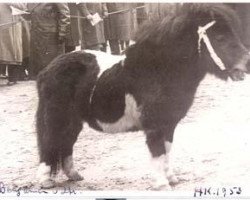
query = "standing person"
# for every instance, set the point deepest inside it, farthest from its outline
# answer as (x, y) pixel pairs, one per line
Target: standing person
(120, 26)
(11, 51)
(49, 28)
(156, 11)
(92, 36)
(26, 48)
(72, 40)
(141, 13)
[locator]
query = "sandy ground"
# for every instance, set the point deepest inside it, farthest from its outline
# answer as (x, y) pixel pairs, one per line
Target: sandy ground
(211, 144)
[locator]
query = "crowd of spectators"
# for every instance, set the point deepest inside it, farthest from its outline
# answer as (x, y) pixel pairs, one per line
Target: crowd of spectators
(32, 34)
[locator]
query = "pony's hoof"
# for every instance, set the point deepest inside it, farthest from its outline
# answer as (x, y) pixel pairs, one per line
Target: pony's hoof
(162, 187)
(162, 184)
(173, 180)
(74, 176)
(47, 184)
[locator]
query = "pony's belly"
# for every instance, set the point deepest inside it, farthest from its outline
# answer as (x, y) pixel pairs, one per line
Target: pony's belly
(129, 121)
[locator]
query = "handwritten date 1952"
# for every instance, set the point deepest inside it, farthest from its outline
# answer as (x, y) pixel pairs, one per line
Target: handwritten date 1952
(222, 192)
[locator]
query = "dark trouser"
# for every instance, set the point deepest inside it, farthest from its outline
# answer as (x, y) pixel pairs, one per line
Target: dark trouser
(69, 49)
(104, 47)
(114, 46)
(3, 69)
(13, 73)
(122, 42)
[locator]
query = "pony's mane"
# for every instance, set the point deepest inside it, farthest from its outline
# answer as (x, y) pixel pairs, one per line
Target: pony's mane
(161, 32)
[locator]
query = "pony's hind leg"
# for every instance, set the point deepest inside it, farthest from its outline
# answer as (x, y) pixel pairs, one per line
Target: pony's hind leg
(47, 146)
(67, 150)
(54, 122)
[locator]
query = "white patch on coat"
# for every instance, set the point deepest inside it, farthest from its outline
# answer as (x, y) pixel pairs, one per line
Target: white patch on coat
(68, 165)
(168, 146)
(43, 172)
(168, 164)
(129, 120)
(159, 175)
(105, 60)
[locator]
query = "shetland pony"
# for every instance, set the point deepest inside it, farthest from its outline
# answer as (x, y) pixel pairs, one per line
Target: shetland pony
(151, 89)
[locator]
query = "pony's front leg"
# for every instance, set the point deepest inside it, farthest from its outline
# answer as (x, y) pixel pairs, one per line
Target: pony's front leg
(168, 165)
(156, 144)
(159, 146)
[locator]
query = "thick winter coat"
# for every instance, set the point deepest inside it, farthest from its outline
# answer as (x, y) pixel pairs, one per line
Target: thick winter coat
(156, 11)
(120, 25)
(49, 28)
(11, 50)
(73, 38)
(91, 35)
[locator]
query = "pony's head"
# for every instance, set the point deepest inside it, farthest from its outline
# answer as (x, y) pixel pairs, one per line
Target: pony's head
(206, 34)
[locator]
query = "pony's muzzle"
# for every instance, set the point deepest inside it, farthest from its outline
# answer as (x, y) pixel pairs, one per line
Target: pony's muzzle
(237, 73)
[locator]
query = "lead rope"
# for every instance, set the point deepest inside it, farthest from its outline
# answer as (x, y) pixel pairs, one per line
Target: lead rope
(203, 36)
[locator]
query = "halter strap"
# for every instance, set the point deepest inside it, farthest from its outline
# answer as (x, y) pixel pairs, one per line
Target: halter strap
(203, 36)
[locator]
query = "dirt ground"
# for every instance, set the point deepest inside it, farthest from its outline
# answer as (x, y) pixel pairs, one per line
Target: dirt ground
(211, 144)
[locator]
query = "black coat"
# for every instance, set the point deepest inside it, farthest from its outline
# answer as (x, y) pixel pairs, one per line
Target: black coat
(49, 28)
(120, 26)
(91, 35)
(73, 38)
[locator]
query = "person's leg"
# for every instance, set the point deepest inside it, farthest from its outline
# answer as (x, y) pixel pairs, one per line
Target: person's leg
(3, 70)
(127, 43)
(122, 44)
(96, 47)
(104, 47)
(114, 47)
(12, 74)
(69, 48)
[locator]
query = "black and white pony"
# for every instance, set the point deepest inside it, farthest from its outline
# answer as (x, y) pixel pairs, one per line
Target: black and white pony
(151, 89)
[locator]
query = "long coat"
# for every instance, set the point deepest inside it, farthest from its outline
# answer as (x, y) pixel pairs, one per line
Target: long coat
(11, 50)
(141, 14)
(120, 26)
(91, 35)
(26, 38)
(73, 38)
(156, 11)
(49, 28)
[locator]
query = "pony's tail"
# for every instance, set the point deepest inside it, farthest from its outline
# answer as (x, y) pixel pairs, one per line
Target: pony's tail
(64, 87)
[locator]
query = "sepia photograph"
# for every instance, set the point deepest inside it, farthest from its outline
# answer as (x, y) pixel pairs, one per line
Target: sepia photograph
(123, 97)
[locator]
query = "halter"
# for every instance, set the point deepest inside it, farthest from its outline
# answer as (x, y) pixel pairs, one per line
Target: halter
(203, 36)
